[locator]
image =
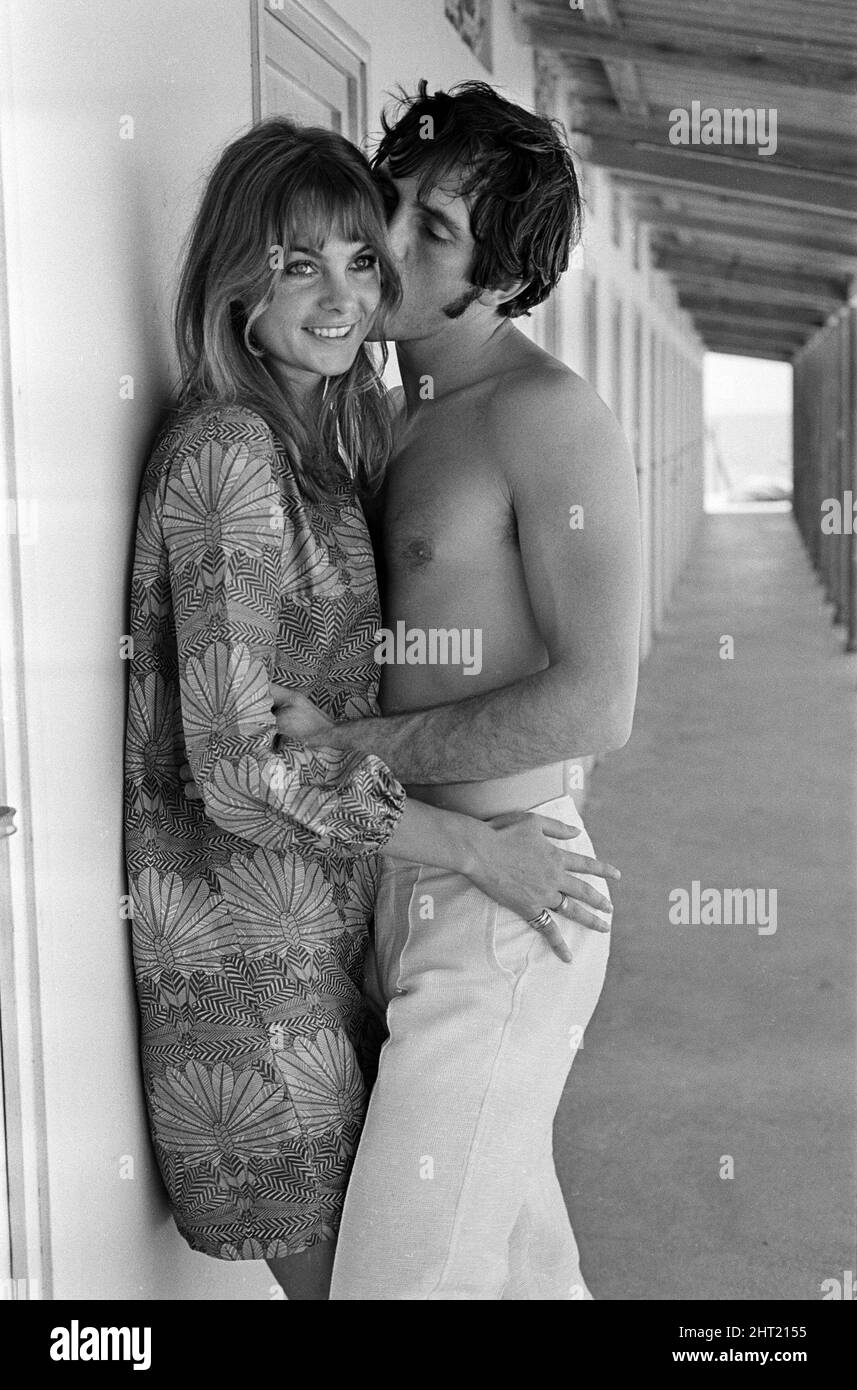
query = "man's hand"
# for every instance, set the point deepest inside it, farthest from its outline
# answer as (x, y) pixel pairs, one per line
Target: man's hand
(191, 790)
(527, 871)
(297, 716)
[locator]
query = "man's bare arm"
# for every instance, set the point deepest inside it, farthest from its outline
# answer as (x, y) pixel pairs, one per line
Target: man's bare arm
(573, 487)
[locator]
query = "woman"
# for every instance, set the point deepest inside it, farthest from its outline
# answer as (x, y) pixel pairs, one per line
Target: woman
(253, 565)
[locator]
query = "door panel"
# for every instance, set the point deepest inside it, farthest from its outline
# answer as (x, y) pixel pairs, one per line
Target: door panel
(311, 66)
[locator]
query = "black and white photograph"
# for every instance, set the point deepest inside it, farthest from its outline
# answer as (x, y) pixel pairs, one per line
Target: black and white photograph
(428, 666)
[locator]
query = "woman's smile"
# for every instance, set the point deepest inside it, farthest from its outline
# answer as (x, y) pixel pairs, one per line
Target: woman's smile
(337, 334)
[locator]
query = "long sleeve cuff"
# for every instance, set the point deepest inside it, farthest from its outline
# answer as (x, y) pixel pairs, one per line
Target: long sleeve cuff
(349, 799)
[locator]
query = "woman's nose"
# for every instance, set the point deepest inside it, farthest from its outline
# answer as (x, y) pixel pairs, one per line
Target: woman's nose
(337, 291)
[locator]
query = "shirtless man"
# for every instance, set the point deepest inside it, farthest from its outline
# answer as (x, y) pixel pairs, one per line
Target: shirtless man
(510, 510)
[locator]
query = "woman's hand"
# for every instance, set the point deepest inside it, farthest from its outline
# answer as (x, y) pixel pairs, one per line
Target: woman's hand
(297, 716)
(516, 864)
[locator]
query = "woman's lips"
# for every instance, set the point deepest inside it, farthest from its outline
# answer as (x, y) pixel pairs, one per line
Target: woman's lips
(333, 334)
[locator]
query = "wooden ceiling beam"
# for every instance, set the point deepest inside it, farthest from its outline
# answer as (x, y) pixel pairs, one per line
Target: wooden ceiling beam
(742, 39)
(714, 326)
(754, 257)
(749, 276)
(760, 340)
(690, 169)
(751, 335)
(825, 153)
(839, 257)
(703, 308)
(671, 202)
(623, 76)
(738, 348)
(571, 35)
(811, 254)
(703, 282)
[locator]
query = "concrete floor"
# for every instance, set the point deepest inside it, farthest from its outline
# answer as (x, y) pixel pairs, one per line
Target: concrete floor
(715, 1040)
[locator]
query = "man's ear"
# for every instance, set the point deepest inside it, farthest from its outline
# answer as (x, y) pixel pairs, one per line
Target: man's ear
(493, 299)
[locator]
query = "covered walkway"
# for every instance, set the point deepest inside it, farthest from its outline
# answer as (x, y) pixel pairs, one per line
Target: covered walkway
(715, 1041)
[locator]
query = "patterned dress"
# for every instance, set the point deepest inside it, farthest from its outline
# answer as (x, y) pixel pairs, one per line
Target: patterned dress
(250, 907)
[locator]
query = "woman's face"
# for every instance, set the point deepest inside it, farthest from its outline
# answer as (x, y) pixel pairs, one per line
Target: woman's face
(323, 307)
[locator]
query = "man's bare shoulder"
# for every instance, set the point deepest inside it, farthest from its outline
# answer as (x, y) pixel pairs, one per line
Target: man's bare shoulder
(543, 408)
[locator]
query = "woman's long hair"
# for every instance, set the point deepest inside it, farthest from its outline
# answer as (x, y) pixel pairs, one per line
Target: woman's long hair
(277, 181)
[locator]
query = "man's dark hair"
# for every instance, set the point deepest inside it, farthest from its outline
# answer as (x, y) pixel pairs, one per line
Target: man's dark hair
(514, 166)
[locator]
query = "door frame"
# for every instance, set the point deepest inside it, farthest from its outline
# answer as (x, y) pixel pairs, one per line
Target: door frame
(24, 1206)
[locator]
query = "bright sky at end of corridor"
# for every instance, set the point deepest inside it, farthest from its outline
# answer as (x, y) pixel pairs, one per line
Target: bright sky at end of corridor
(746, 386)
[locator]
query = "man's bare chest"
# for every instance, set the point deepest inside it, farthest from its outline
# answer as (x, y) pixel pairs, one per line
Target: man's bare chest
(445, 505)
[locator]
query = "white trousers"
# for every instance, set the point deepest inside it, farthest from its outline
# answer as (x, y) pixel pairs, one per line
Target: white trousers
(454, 1194)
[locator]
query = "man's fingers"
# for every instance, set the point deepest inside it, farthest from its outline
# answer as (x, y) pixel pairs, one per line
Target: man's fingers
(553, 936)
(584, 864)
(576, 912)
(505, 819)
(579, 889)
(191, 790)
(284, 698)
(557, 829)
(282, 695)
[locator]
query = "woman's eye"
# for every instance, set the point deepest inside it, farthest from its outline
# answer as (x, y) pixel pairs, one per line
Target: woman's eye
(367, 262)
(433, 236)
(298, 267)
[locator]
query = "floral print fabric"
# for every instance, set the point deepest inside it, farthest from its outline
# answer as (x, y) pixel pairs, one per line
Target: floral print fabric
(250, 907)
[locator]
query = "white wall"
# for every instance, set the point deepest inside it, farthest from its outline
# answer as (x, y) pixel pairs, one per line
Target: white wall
(93, 227)
(410, 41)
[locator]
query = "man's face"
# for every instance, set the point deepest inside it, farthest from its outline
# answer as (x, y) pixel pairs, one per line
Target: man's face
(433, 246)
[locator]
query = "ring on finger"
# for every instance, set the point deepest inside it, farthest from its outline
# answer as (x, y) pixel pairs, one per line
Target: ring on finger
(564, 900)
(543, 920)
